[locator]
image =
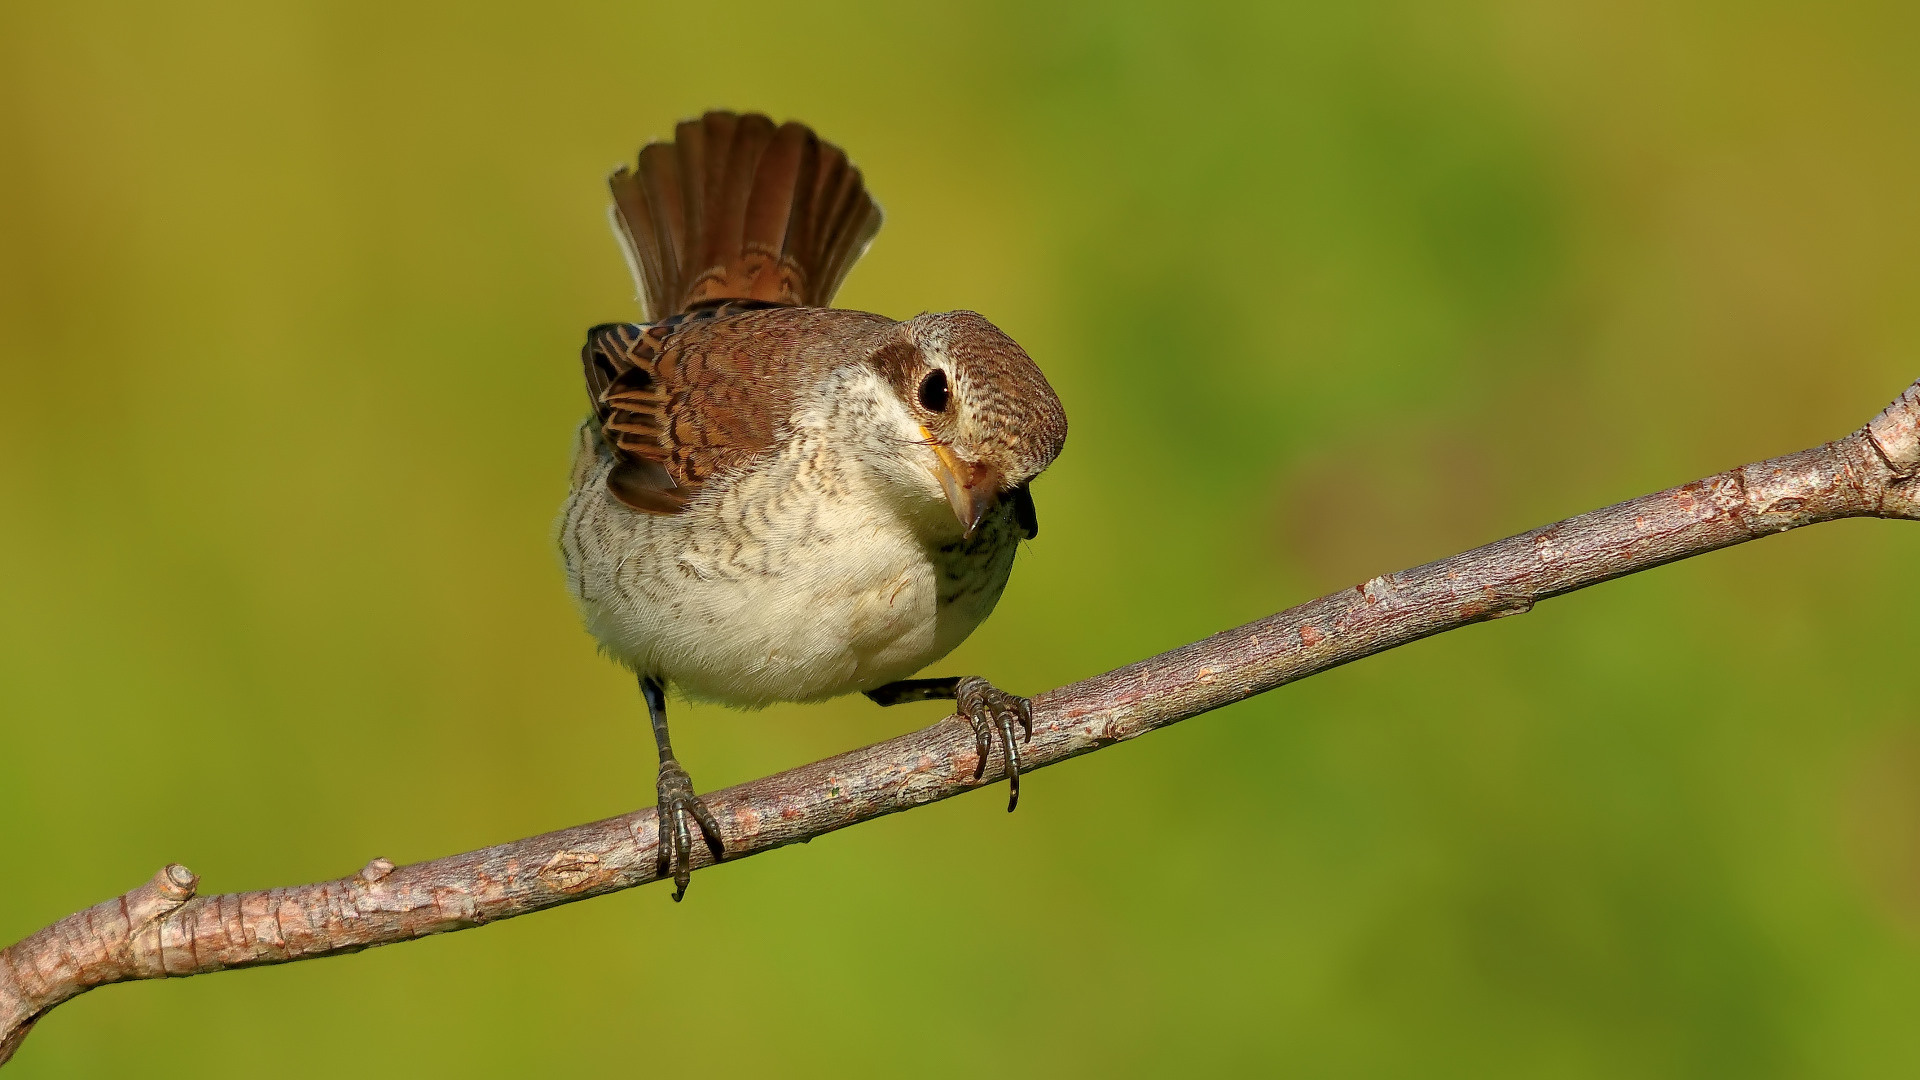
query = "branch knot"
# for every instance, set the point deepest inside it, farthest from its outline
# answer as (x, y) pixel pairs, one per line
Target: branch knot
(1895, 433)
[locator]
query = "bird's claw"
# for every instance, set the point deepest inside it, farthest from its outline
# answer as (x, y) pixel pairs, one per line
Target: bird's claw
(988, 710)
(674, 848)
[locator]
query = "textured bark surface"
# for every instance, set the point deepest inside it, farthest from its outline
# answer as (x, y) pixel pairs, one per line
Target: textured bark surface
(161, 929)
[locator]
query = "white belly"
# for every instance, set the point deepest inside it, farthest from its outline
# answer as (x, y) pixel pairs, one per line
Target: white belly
(785, 585)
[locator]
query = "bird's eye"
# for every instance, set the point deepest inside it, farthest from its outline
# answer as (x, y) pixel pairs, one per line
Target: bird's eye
(933, 391)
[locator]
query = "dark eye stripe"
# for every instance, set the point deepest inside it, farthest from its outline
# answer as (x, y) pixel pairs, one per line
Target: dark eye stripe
(933, 391)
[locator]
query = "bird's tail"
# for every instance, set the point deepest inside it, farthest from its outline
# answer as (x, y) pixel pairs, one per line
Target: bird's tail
(735, 208)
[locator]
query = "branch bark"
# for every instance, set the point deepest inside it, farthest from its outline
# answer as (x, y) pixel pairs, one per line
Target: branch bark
(162, 930)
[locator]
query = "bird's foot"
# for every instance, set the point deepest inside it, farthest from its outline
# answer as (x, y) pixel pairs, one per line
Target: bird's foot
(675, 845)
(985, 707)
(989, 709)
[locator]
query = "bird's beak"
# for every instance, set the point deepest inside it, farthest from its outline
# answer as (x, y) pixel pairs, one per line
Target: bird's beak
(970, 488)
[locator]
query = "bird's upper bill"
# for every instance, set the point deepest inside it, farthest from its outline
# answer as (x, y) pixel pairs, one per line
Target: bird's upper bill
(970, 487)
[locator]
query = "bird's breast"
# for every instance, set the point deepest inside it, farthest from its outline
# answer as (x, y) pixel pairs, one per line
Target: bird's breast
(792, 581)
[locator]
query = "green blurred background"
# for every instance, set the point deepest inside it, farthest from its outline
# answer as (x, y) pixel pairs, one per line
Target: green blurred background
(290, 298)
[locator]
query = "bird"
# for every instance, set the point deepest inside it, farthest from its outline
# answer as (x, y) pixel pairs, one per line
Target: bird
(776, 500)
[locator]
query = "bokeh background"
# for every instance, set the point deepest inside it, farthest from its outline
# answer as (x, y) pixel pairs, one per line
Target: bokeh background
(290, 299)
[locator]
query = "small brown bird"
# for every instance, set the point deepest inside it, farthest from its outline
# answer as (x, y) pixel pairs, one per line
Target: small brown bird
(776, 500)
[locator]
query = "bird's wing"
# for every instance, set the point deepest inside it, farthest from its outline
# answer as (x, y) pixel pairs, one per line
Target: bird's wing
(682, 401)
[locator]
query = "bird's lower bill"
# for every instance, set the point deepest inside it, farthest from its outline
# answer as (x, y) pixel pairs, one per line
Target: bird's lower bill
(970, 488)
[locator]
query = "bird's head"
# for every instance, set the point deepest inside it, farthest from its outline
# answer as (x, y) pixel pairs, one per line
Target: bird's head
(985, 414)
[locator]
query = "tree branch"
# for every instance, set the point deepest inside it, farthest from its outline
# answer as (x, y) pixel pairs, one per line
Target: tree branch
(162, 930)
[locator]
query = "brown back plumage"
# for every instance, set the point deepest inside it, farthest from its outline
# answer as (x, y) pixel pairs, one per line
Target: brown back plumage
(735, 208)
(681, 401)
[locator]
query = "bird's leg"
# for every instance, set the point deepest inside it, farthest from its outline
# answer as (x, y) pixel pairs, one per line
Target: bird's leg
(677, 801)
(986, 708)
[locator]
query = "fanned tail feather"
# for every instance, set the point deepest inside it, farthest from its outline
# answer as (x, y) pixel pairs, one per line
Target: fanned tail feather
(735, 208)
